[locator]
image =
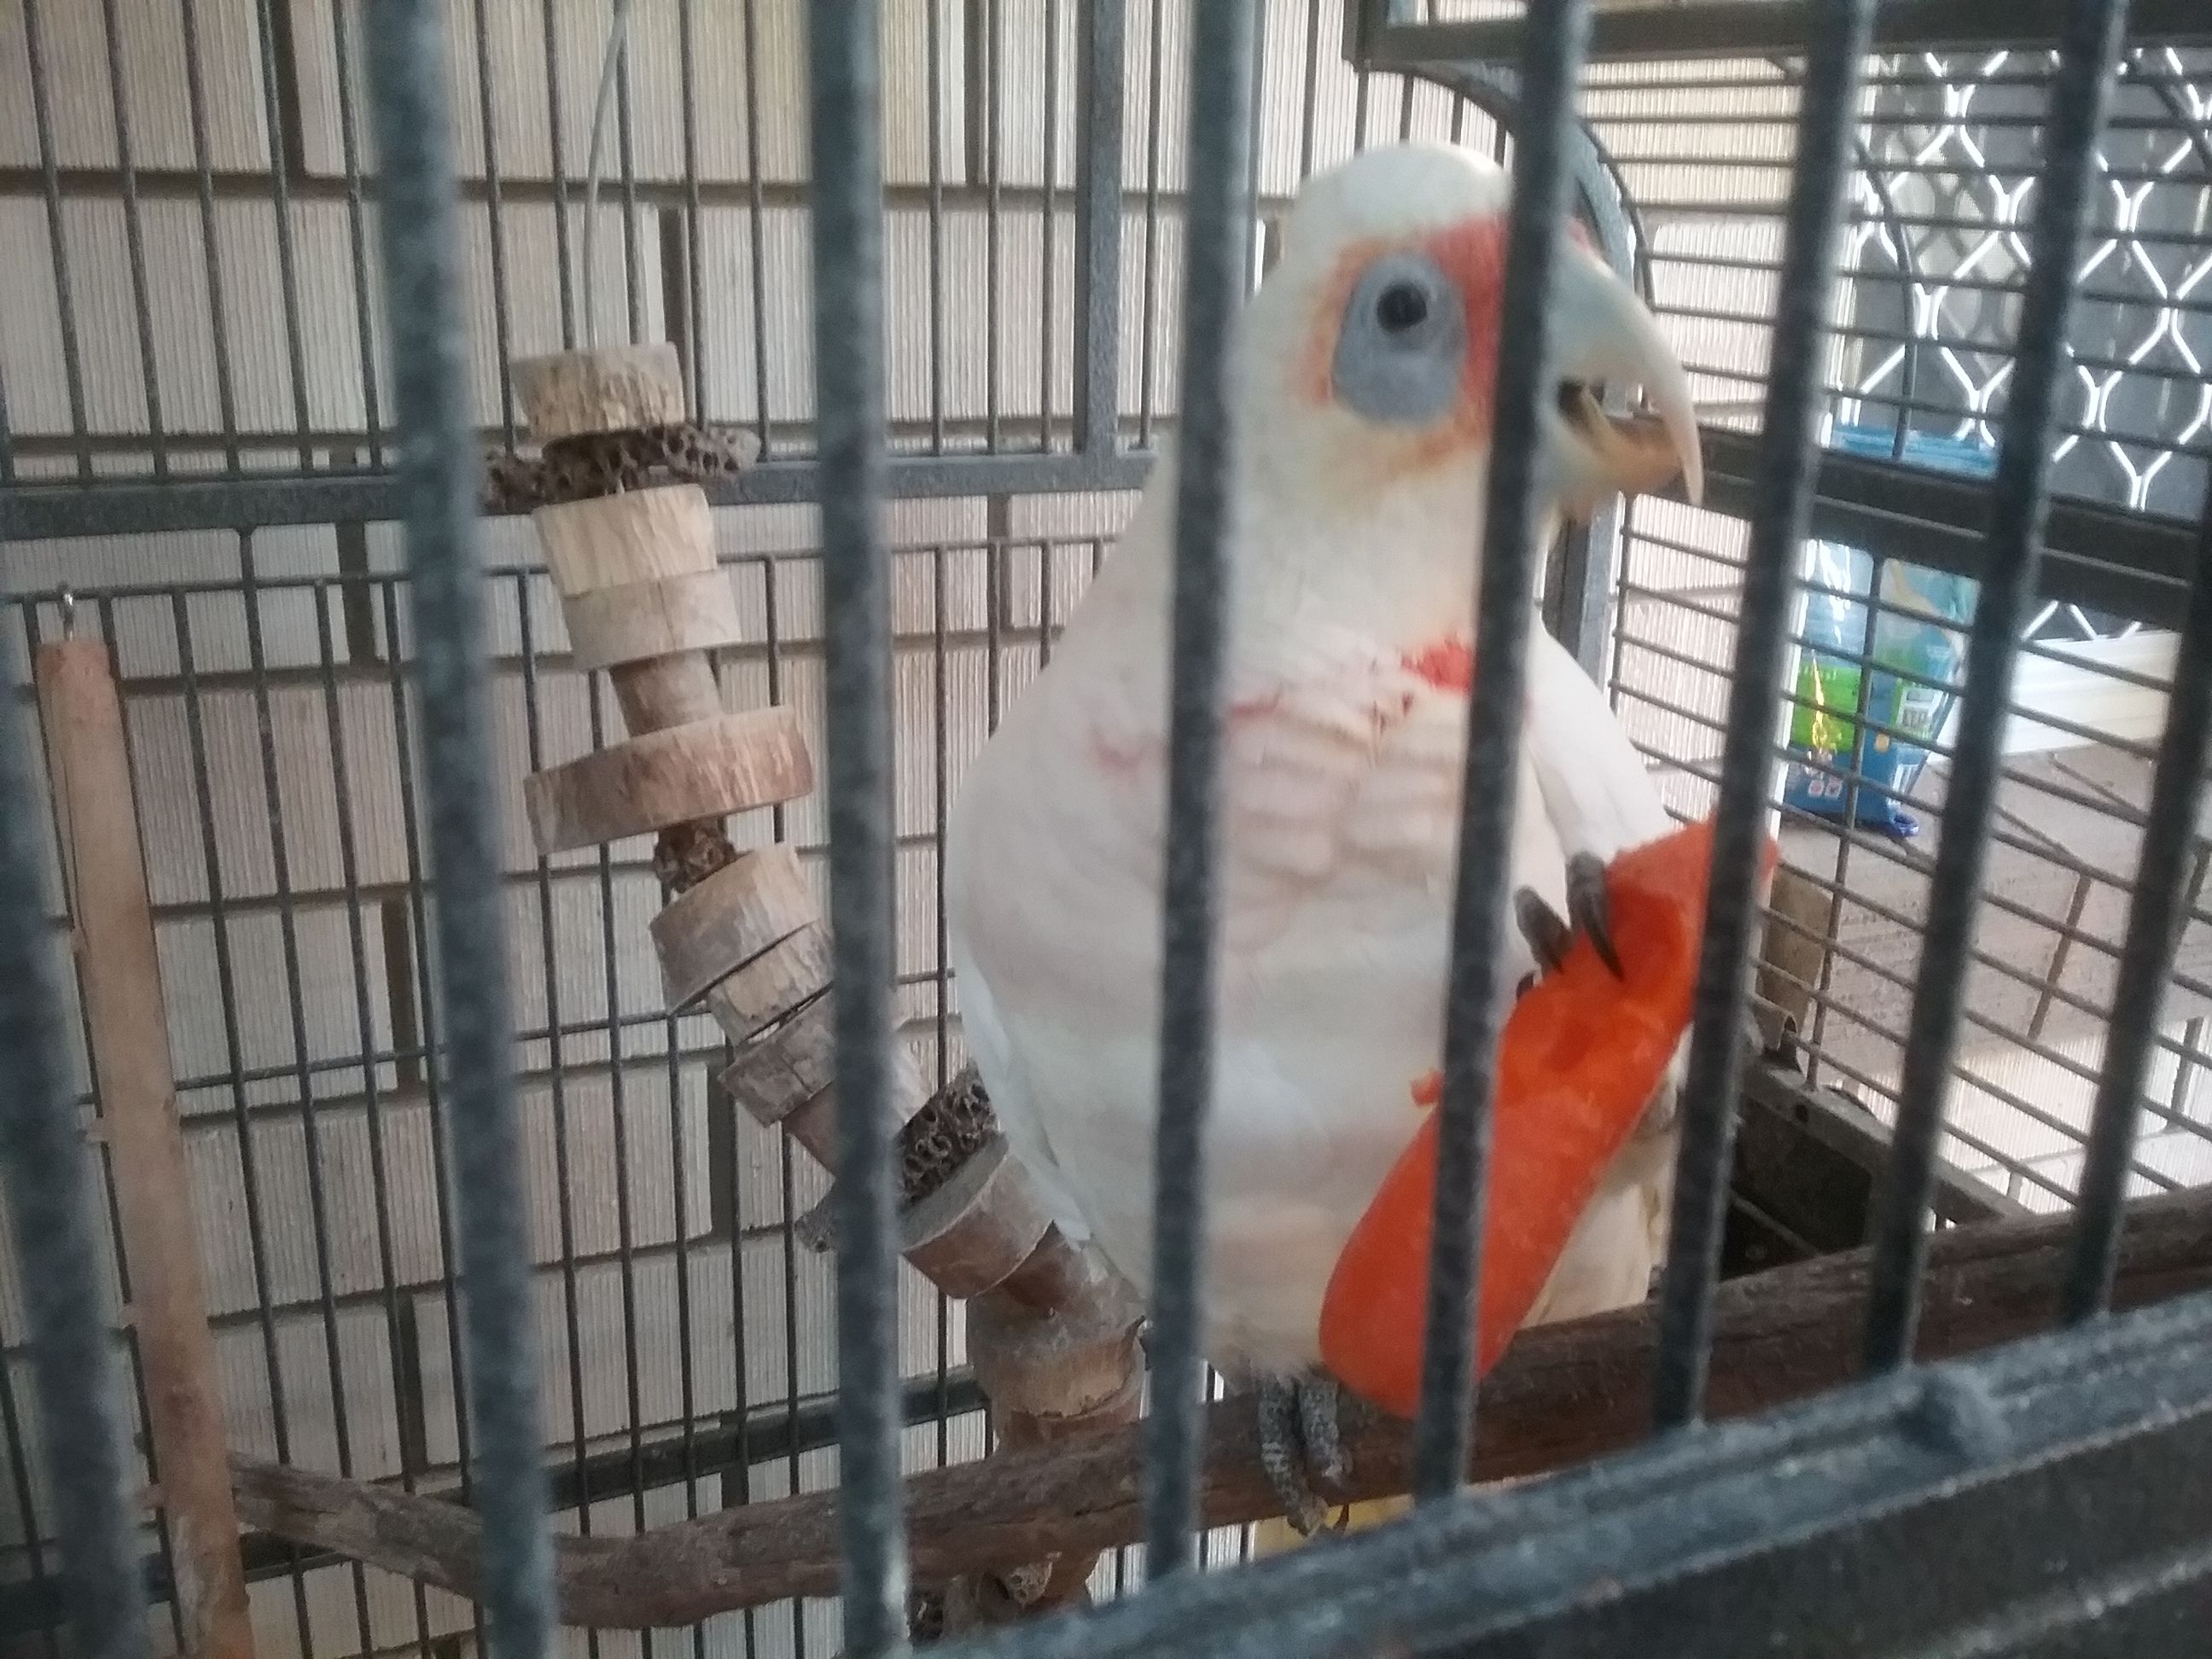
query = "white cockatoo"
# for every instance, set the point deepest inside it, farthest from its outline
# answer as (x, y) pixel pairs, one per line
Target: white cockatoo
(1362, 371)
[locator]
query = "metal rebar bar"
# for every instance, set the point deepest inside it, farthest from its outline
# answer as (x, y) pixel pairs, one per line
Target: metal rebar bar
(1782, 508)
(1478, 990)
(408, 77)
(1216, 268)
(844, 78)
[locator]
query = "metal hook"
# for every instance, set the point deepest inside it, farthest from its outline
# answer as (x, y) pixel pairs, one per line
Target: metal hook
(68, 613)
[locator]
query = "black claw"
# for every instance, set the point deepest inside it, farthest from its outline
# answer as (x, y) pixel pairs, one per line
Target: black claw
(1544, 929)
(1590, 908)
(1299, 1434)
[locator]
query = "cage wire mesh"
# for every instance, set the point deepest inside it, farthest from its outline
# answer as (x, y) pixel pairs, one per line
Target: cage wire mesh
(188, 234)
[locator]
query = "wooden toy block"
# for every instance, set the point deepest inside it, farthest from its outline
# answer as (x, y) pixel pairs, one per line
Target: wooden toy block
(781, 979)
(636, 621)
(706, 770)
(611, 389)
(617, 541)
(729, 919)
(974, 1230)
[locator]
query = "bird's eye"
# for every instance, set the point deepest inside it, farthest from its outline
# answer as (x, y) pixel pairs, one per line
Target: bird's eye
(1401, 342)
(1401, 306)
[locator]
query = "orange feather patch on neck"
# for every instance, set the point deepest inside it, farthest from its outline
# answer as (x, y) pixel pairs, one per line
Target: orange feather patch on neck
(1448, 664)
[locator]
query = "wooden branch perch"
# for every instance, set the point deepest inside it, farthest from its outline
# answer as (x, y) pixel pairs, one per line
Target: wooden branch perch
(1563, 1393)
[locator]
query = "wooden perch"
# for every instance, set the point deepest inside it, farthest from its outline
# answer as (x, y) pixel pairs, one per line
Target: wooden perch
(127, 1023)
(1563, 1393)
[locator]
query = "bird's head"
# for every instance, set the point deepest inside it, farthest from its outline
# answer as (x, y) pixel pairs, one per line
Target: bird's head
(1369, 356)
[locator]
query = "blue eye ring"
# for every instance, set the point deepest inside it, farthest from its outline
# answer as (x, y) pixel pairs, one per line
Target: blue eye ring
(1401, 343)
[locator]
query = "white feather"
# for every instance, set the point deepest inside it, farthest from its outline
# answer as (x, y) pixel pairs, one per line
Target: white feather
(1340, 794)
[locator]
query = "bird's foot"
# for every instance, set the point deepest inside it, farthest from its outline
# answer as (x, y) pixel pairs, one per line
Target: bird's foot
(1588, 912)
(1301, 1441)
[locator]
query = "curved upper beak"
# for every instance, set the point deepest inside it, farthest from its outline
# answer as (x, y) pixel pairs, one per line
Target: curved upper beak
(1608, 340)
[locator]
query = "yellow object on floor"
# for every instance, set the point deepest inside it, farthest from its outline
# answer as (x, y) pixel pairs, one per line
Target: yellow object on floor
(1275, 1537)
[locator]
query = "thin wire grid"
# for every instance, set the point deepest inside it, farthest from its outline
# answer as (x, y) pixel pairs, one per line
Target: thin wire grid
(2057, 969)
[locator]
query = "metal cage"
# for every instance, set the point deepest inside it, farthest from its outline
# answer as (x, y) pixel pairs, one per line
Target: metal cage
(1944, 275)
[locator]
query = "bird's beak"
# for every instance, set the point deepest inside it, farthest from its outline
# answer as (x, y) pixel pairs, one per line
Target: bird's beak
(1607, 342)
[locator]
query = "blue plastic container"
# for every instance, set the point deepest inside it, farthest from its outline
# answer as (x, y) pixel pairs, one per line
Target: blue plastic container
(1823, 726)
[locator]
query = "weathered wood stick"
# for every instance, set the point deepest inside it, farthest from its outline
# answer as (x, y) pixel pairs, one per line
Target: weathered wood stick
(1565, 1393)
(121, 972)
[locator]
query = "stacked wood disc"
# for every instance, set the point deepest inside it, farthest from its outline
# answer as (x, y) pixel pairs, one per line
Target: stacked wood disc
(1051, 1337)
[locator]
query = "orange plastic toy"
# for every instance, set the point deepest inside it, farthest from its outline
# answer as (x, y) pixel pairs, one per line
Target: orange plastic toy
(1580, 1056)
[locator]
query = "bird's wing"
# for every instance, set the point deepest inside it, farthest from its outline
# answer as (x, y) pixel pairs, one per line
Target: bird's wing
(1597, 786)
(1341, 790)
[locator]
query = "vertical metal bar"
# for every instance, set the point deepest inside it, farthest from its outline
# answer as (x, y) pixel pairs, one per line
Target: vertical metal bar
(49, 1177)
(1104, 46)
(2087, 56)
(407, 78)
(757, 223)
(556, 1063)
(195, 101)
(626, 162)
(134, 242)
(844, 81)
(994, 40)
(416, 964)
(695, 280)
(502, 320)
(2155, 916)
(1309, 91)
(618, 1125)
(1249, 231)
(57, 237)
(933, 113)
(1049, 225)
(1475, 1000)
(557, 164)
(226, 975)
(295, 1008)
(1215, 271)
(273, 26)
(356, 230)
(379, 1179)
(41, 1576)
(1148, 324)
(1781, 508)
